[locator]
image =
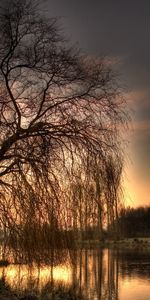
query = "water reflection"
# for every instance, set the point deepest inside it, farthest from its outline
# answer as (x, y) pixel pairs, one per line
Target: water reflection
(23, 276)
(98, 274)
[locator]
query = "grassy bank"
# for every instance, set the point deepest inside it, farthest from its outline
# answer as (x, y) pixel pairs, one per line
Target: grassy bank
(140, 243)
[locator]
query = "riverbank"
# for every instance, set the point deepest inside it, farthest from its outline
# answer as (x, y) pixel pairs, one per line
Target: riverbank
(141, 243)
(130, 243)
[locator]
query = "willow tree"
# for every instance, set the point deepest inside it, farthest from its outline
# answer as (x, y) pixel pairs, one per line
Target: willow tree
(57, 107)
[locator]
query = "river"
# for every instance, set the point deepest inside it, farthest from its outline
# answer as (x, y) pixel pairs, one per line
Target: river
(98, 274)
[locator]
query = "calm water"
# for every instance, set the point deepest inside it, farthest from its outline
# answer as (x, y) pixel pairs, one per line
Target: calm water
(98, 274)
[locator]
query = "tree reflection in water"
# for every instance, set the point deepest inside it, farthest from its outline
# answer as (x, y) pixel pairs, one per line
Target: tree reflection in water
(96, 274)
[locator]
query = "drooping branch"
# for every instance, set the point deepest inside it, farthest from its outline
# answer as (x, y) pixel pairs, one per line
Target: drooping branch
(60, 115)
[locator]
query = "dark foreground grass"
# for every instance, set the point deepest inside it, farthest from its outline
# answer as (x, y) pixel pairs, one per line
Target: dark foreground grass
(5, 291)
(47, 293)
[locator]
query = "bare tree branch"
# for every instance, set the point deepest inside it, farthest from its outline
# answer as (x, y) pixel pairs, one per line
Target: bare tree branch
(60, 114)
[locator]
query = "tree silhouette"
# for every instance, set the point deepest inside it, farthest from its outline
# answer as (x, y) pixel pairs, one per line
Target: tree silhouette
(134, 222)
(57, 109)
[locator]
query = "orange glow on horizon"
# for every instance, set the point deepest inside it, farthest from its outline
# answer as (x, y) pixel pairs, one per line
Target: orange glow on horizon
(136, 189)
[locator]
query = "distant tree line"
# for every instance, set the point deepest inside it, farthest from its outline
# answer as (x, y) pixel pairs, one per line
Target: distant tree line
(134, 222)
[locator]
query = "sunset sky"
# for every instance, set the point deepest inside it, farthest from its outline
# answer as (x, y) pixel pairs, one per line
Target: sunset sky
(120, 30)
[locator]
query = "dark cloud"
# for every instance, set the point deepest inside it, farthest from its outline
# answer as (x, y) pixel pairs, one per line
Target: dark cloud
(116, 28)
(142, 150)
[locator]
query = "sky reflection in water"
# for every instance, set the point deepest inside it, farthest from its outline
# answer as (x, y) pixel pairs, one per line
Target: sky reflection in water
(98, 274)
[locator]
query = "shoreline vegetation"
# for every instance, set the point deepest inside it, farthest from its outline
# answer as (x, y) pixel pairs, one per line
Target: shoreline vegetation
(47, 293)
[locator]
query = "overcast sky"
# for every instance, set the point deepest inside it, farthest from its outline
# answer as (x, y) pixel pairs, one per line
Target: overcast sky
(119, 29)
